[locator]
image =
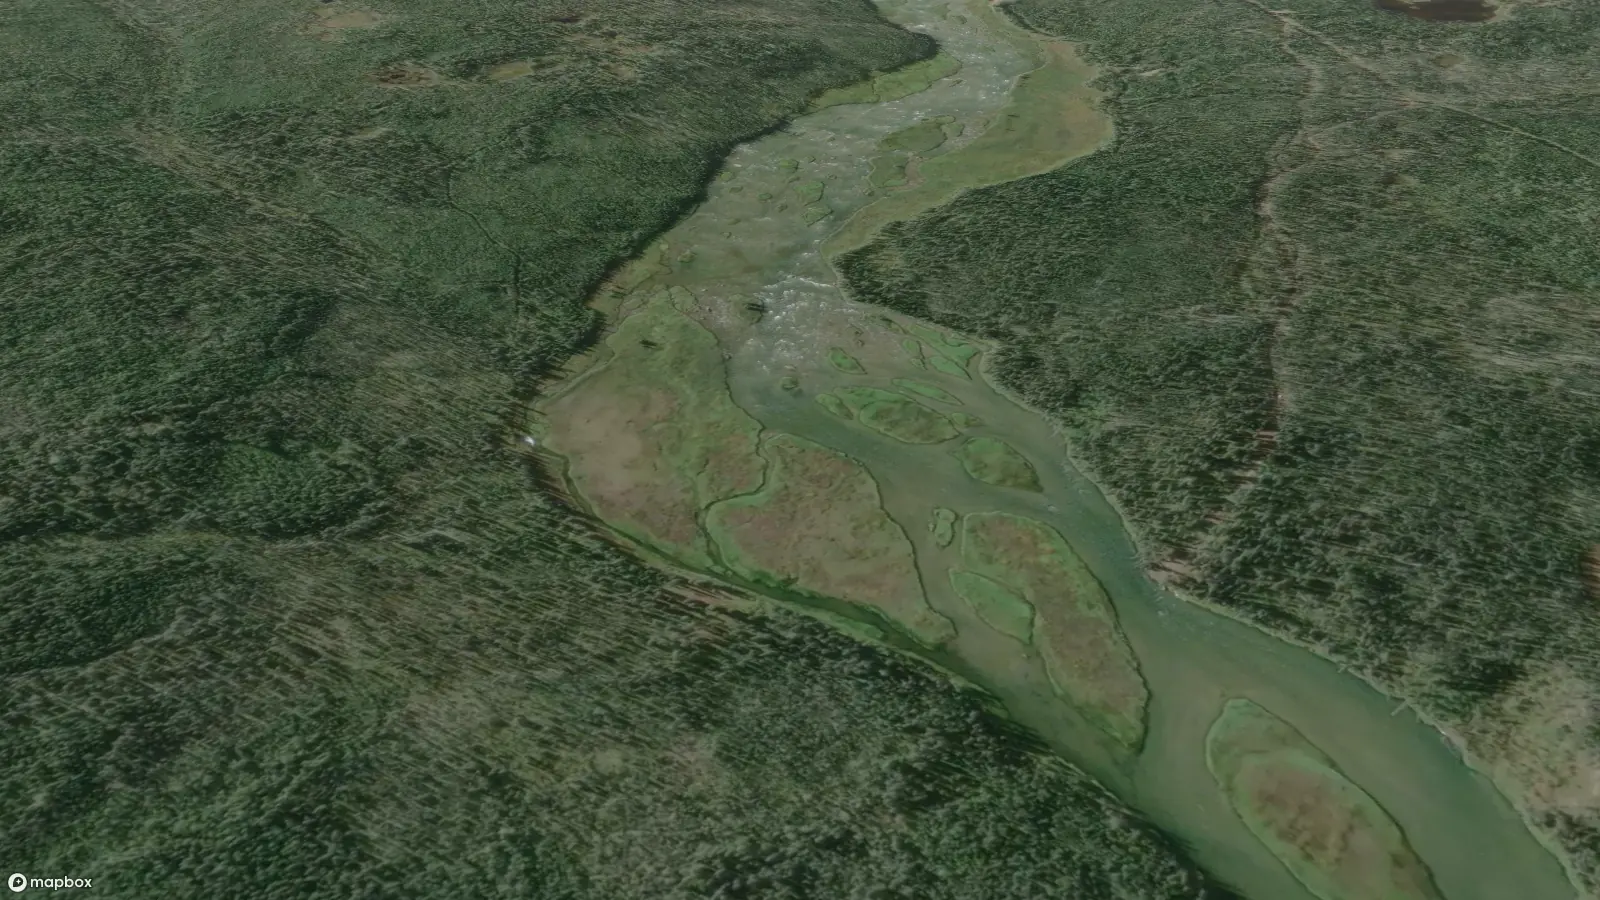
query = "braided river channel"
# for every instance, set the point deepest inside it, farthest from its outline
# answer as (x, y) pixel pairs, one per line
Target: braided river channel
(746, 422)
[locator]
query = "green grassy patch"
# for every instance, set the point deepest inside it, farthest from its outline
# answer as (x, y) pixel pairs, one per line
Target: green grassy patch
(902, 82)
(915, 78)
(844, 362)
(915, 349)
(897, 415)
(999, 607)
(993, 461)
(832, 403)
(943, 526)
(957, 351)
(811, 215)
(922, 137)
(888, 170)
(924, 389)
(948, 366)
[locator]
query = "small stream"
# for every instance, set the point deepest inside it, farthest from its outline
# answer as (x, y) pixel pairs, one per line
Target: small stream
(750, 246)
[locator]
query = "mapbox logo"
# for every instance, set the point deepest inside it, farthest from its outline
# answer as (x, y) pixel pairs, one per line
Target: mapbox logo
(19, 882)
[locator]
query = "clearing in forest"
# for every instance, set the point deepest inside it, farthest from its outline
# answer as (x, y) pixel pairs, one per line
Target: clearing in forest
(508, 71)
(330, 22)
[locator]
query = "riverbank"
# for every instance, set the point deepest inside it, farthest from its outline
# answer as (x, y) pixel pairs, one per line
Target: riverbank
(751, 268)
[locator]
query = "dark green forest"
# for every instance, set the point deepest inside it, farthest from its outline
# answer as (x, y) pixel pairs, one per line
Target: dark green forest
(287, 614)
(1324, 321)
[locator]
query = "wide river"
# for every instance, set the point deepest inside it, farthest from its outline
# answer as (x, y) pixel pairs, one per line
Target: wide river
(1019, 105)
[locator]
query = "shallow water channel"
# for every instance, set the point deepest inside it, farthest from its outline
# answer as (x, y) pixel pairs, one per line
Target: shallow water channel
(752, 258)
